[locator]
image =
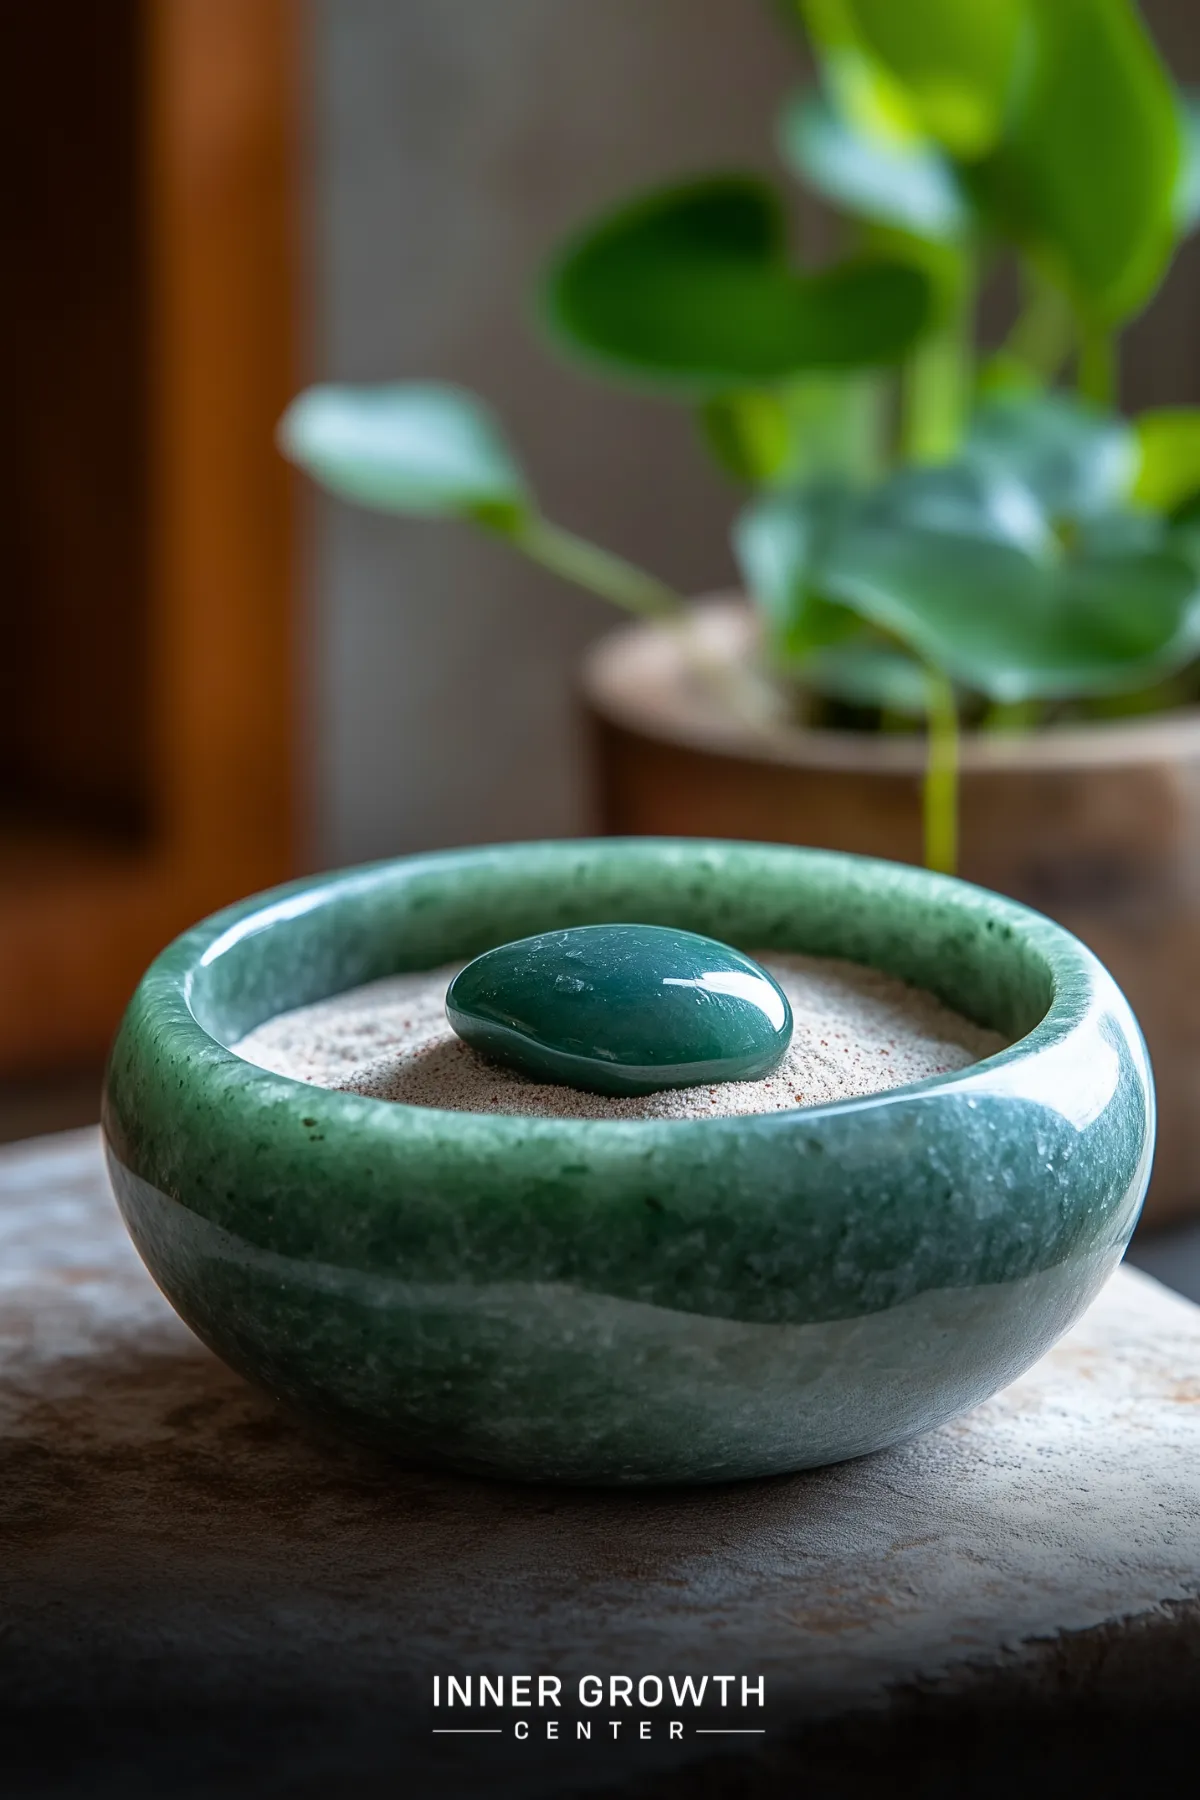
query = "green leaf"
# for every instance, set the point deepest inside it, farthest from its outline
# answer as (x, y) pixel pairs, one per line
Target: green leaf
(1087, 175)
(424, 449)
(1169, 441)
(839, 426)
(1183, 532)
(1125, 530)
(964, 500)
(864, 90)
(1011, 625)
(1186, 208)
(958, 565)
(749, 433)
(816, 425)
(956, 60)
(867, 675)
(781, 542)
(690, 289)
(907, 184)
(1077, 459)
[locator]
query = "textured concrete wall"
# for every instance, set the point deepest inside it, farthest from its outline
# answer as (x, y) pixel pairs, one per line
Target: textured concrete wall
(456, 141)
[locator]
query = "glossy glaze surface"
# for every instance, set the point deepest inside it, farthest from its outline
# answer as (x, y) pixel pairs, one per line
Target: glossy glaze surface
(618, 1301)
(622, 1009)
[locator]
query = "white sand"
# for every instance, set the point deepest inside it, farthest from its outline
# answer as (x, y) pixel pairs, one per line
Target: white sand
(856, 1032)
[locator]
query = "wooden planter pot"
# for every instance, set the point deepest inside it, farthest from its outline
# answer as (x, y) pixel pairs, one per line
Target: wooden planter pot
(1098, 826)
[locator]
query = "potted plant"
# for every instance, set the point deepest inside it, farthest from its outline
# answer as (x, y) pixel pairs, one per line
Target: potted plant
(974, 586)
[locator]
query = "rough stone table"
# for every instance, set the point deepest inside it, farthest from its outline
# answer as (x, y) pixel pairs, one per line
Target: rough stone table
(197, 1596)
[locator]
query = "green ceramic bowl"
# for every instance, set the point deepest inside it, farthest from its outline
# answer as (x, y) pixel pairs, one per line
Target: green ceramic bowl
(631, 1302)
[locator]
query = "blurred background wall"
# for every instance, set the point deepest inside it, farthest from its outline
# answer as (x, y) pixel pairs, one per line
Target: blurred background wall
(454, 142)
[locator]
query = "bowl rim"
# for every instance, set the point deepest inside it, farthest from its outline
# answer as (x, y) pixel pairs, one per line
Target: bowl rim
(1083, 994)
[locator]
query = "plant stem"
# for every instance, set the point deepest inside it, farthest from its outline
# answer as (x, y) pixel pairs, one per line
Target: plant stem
(1097, 375)
(1011, 715)
(940, 788)
(743, 697)
(1042, 335)
(599, 571)
(939, 377)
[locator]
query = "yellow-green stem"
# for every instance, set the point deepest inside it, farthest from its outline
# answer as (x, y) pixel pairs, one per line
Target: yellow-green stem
(1042, 336)
(940, 789)
(1097, 374)
(939, 377)
(599, 571)
(1011, 715)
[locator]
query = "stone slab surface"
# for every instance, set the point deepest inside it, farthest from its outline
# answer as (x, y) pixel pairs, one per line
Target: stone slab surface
(190, 1579)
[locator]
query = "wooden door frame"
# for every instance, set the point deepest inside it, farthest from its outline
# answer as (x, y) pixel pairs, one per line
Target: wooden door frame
(221, 136)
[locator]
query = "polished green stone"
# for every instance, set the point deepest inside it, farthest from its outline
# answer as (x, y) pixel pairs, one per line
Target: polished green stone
(622, 1009)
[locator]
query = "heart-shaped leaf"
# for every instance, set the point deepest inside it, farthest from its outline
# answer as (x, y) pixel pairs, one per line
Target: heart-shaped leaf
(956, 60)
(1015, 626)
(909, 184)
(1125, 531)
(1076, 459)
(784, 541)
(690, 289)
(420, 448)
(1087, 175)
(948, 562)
(964, 499)
(1169, 441)
(781, 542)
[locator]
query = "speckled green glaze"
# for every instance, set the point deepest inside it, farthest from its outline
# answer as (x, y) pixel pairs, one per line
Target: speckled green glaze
(631, 1302)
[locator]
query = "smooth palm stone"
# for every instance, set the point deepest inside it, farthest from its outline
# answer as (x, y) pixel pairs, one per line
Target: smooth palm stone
(622, 1009)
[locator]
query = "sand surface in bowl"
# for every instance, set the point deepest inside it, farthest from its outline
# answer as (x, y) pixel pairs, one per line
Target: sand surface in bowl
(857, 1031)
